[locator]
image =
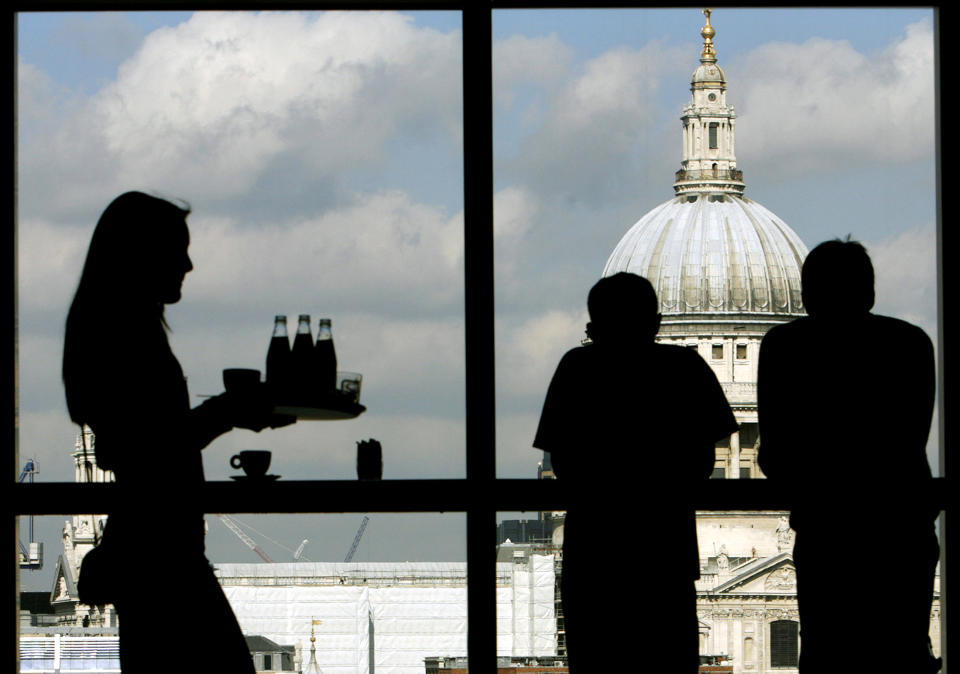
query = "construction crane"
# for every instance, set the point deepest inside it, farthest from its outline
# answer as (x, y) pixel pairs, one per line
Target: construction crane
(31, 555)
(250, 543)
(356, 540)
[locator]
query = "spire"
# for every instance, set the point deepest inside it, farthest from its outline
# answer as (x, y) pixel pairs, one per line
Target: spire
(84, 459)
(312, 666)
(709, 54)
(708, 164)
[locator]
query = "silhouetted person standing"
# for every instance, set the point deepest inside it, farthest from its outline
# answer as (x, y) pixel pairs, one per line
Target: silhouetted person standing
(631, 427)
(124, 382)
(845, 401)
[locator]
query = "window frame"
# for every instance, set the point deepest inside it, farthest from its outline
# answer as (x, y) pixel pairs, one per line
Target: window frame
(480, 494)
(786, 654)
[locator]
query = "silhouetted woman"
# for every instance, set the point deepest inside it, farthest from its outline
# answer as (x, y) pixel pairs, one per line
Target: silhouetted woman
(124, 382)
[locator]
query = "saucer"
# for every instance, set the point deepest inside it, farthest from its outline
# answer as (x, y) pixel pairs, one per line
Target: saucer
(247, 478)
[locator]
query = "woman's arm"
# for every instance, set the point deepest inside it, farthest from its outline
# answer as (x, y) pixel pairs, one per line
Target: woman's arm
(251, 409)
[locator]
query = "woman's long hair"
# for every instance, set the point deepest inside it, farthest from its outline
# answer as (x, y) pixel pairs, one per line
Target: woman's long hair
(132, 235)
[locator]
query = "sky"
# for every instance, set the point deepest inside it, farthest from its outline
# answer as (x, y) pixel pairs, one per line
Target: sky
(321, 156)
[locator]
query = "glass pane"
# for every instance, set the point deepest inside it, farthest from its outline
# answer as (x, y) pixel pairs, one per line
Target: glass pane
(587, 147)
(321, 156)
(400, 600)
(594, 175)
(530, 625)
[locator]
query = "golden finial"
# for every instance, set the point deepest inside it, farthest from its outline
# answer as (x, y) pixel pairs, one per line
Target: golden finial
(707, 32)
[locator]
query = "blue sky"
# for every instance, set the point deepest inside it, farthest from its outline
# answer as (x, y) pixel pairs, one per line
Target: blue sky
(321, 155)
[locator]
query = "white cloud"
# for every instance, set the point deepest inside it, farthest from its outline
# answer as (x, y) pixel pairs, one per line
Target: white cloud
(38, 93)
(906, 279)
(515, 210)
(542, 61)
(594, 124)
(516, 456)
(383, 251)
(212, 105)
(529, 353)
(906, 287)
(220, 96)
(809, 106)
(49, 260)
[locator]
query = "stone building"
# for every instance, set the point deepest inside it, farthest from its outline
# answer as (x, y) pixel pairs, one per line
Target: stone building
(79, 535)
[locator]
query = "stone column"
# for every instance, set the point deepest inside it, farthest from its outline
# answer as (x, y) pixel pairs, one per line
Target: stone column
(734, 456)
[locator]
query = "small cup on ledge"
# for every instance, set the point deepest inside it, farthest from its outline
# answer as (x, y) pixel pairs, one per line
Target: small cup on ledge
(254, 462)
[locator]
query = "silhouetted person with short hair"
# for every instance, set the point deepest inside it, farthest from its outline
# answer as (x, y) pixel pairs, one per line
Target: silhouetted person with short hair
(123, 381)
(845, 401)
(631, 427)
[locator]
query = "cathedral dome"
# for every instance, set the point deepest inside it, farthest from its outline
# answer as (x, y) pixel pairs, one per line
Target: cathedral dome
(713, 253)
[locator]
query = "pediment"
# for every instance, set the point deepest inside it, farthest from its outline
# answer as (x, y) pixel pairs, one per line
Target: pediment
(64, 587)
(773, 575)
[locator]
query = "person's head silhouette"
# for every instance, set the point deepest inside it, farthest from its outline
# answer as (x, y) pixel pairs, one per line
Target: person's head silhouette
(623, 310)
(138, 251)
(837, 280)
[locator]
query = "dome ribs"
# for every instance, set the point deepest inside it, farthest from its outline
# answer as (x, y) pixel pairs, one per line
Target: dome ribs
(728, 255)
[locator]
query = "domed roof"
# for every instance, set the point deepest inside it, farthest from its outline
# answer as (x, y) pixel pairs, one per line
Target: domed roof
(708, 73)
(710, 251)
(714, 253)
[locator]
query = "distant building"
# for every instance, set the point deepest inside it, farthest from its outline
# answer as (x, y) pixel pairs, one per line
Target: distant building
(79, 535)
(524, 531)
(505, 665)
(269, 656)
(63, 653)
(387, 617)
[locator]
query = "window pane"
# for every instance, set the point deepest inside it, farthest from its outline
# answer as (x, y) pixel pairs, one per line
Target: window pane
(400, 600)
(530, 622)
(588, 153)
(321, 156)
(587, 147)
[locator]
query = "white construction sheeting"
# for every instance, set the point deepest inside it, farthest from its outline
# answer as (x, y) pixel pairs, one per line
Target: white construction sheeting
(409, 610)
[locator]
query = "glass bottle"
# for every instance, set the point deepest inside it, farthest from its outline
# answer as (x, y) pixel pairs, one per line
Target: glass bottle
(278, 358)
(301, 357)
(325, 358)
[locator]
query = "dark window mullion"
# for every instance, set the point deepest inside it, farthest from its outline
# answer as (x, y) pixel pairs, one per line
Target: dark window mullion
(478, 270)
